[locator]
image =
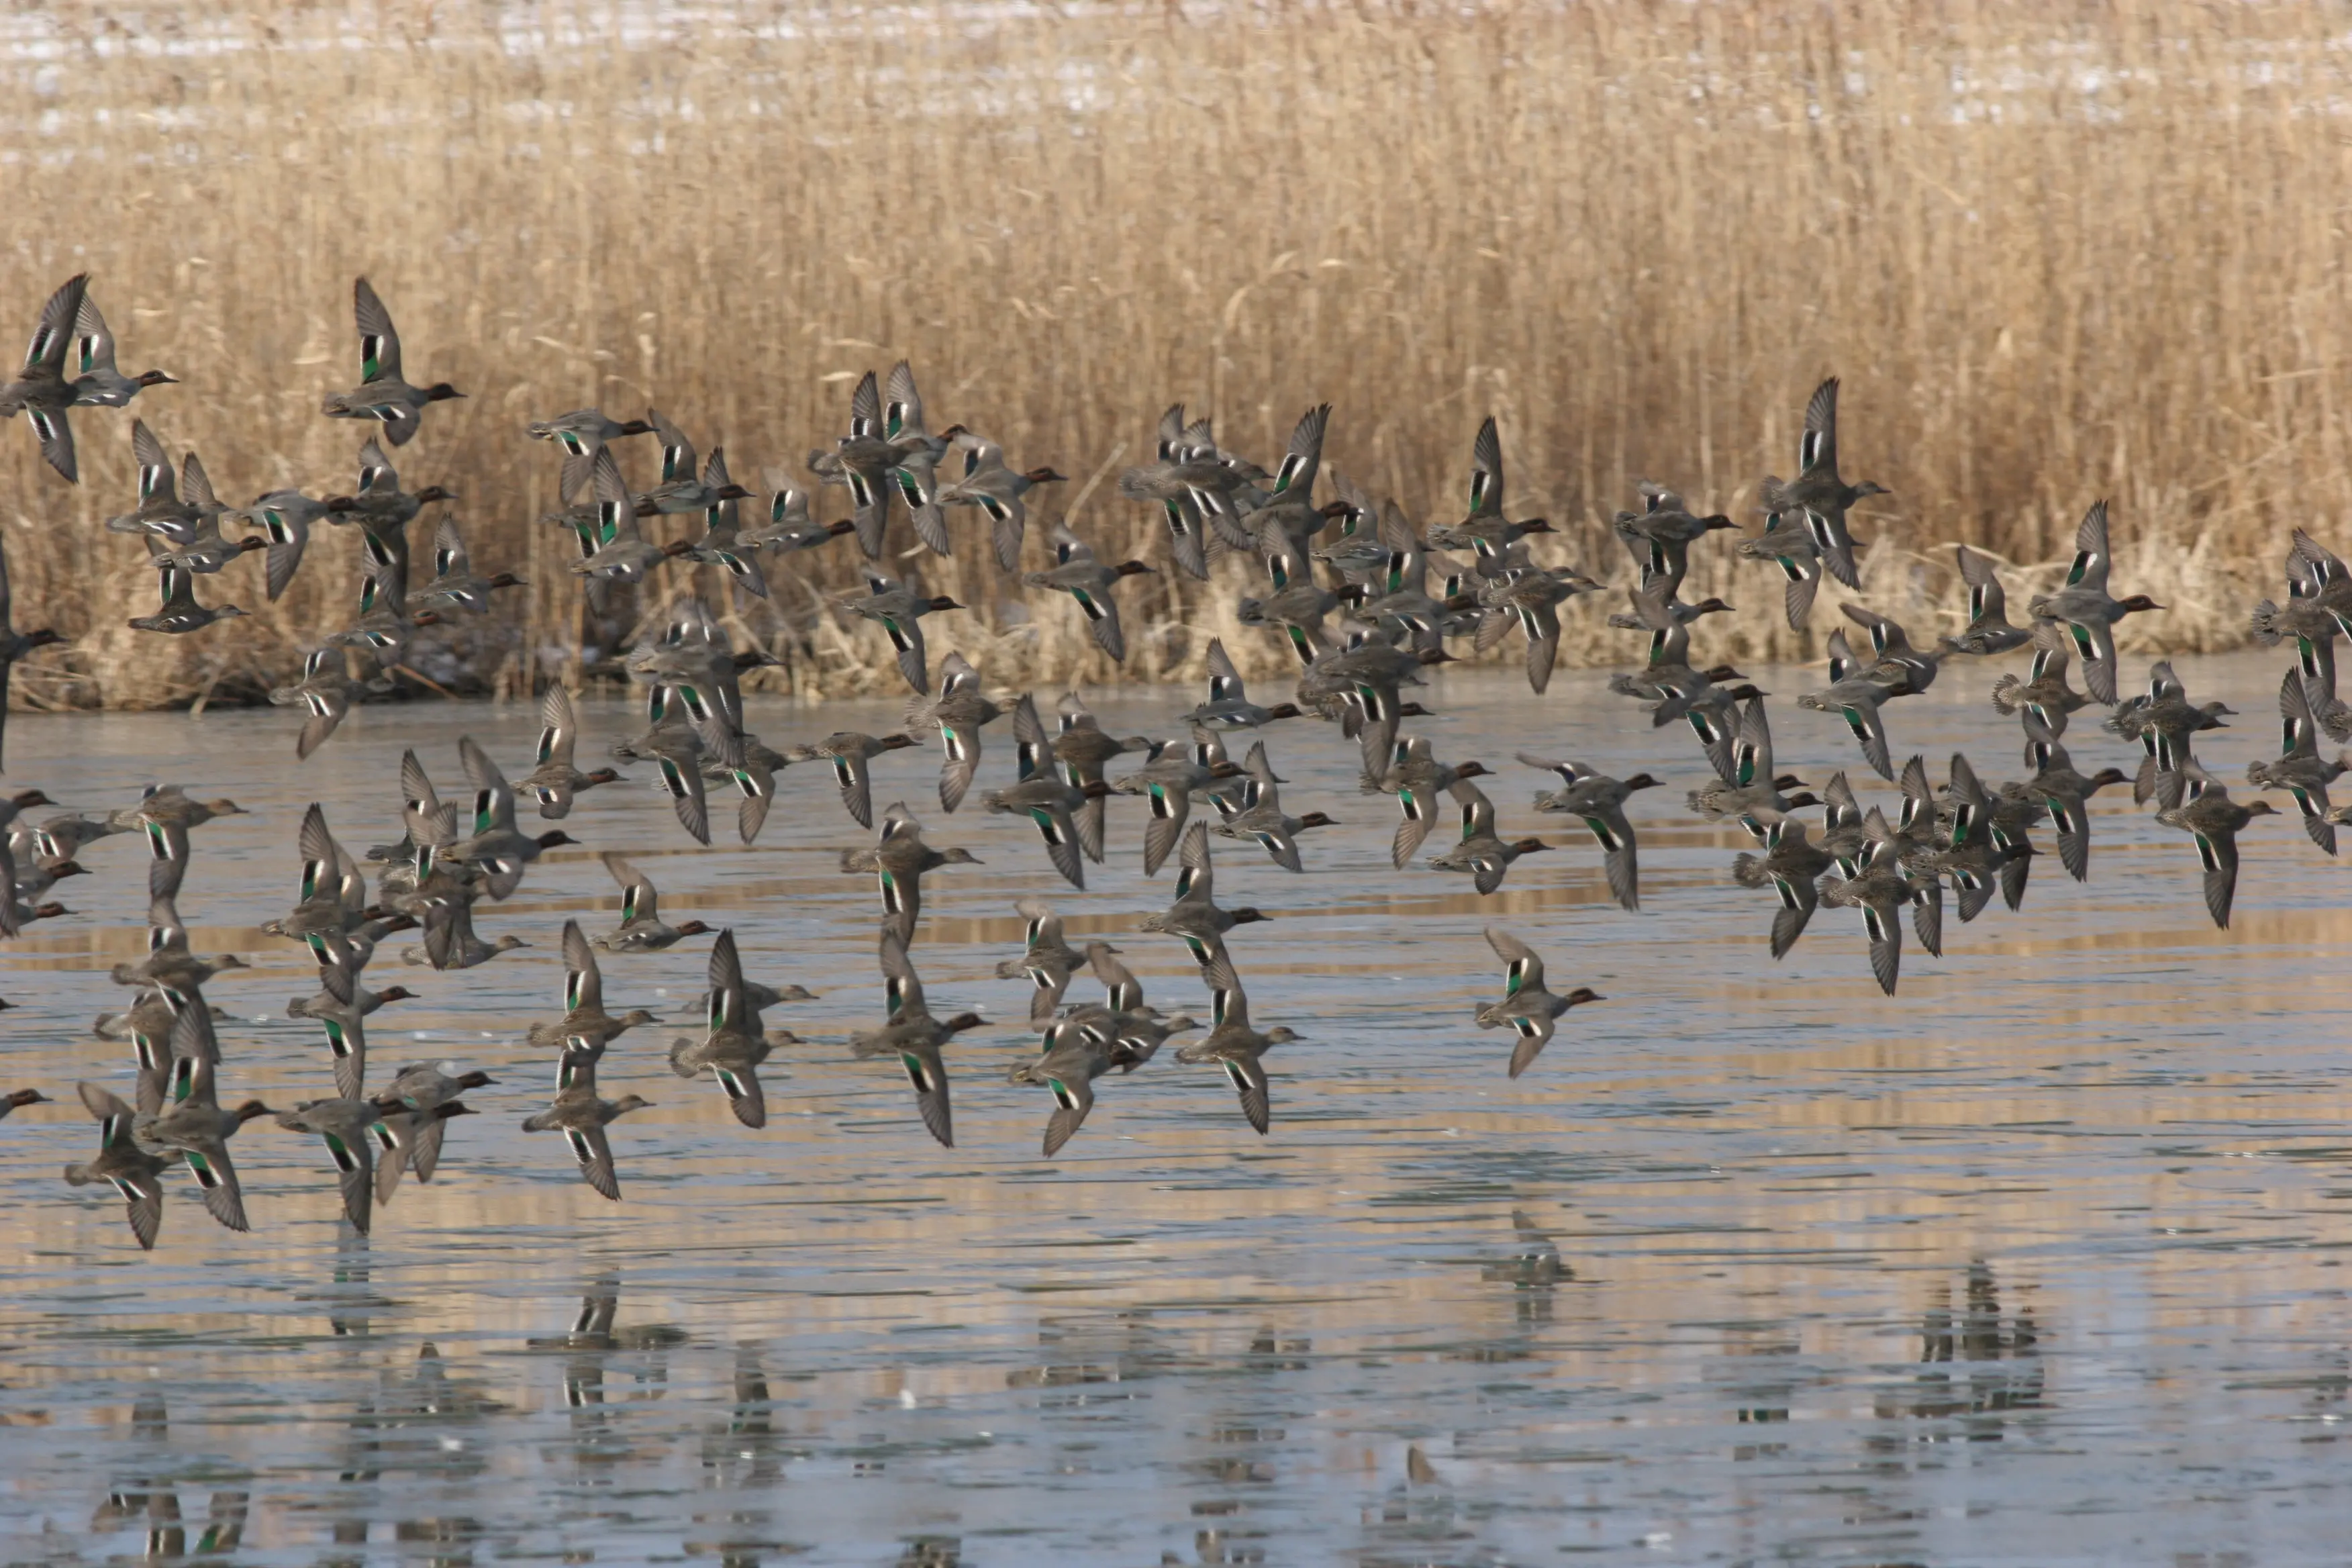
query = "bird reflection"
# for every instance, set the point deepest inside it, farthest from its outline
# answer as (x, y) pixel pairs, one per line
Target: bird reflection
(353, 1314)
(933, 1552)
(2001, 1351)
(1415, 1517)
(167, 1530)
(1091, 1357)
(158, 1503)
(1270, 1352)
(406, 1425)
(1223, 1546)
(1534, 1270)
(748, 1450)
(592, 1340)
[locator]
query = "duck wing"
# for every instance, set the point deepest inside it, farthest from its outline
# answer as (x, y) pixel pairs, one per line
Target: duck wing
(683, 780)
(1886, 946)
(928, 1073)
(2092, 560)
(593, 1150)
(1534, 1032)
(2219, 852)
(1522, 967)
(1073, 1098)
(1247, 1074)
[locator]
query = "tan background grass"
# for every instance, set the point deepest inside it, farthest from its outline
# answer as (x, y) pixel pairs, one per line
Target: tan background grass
(2056, 252)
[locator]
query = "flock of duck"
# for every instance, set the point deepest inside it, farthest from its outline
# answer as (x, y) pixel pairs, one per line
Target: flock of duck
(1348, 590)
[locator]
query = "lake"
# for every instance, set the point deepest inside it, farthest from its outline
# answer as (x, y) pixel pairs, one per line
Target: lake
(2038, 1262)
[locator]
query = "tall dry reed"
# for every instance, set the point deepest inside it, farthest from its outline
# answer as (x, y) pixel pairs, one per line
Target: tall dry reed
(2055, 253)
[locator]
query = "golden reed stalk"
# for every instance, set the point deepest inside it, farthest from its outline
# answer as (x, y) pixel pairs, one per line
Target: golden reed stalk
(2056, 252)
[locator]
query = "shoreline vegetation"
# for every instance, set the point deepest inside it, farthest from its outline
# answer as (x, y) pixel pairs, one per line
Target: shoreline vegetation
(2054, 254)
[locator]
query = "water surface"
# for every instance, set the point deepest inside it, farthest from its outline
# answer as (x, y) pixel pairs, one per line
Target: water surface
(2036, 1263)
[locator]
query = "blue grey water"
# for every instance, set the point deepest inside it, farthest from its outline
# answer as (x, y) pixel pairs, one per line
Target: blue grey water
(2037, 1263)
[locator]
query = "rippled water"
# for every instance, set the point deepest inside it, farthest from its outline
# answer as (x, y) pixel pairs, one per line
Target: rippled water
(2037, 1263)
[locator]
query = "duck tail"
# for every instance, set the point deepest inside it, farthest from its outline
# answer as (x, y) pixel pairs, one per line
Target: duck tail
(2264, 624)
(2001, 700)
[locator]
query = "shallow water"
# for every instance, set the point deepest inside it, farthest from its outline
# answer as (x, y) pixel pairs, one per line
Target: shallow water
(2038, 1263)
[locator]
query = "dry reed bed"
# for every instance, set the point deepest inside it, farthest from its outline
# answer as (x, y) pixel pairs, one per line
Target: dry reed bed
(2055, 254)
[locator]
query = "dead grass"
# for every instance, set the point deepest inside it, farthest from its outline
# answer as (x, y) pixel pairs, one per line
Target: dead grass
(2055, 253)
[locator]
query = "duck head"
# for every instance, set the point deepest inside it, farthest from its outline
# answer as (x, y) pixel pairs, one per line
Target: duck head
(1044, 476)
(962, 1021)
(554, 836)
(1282, 1034)
(43, 638)
(1473, 769)
(1248, 914)
(1710, 606)
(941, 602)
(2135, 604)
(441, 392)
(431, 494)
(694, 928)
(1317, 819)
(155, 378)
(1642, 781)
(253, 1110)
(1529, 845)
(1582, 994)
(959, 857)
(1131, 568)
(394, 993)
(28, 1097)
